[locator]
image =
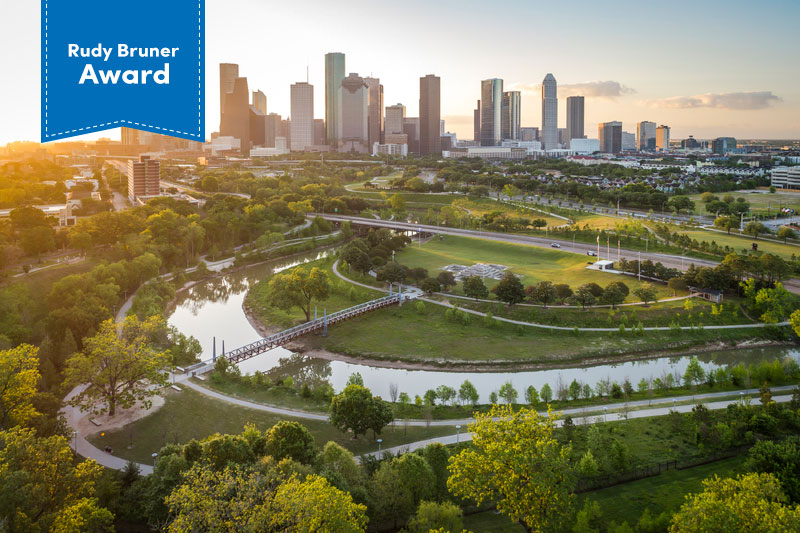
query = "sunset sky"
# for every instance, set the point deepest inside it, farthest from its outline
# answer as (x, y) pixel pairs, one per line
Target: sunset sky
(706, 68)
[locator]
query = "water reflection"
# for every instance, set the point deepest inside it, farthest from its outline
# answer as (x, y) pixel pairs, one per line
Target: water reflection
(213, 309)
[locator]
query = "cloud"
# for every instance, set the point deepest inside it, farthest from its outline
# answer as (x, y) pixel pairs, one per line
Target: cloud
(591, 89)
(739, 101)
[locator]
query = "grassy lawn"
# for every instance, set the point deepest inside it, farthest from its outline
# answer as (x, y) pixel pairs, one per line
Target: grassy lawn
(190, 415)
(532, 264)
(662, 493)
(741, 243)
(761, 202)
(403, 333)
(595, 221)
(478, 207)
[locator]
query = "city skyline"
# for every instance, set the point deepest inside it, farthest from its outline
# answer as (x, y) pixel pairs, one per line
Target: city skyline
(689, 84)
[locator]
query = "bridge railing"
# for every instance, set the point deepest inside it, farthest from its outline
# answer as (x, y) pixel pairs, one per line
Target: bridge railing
(273, 341)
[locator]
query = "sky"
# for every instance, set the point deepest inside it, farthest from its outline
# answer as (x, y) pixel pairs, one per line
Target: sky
(706, 69)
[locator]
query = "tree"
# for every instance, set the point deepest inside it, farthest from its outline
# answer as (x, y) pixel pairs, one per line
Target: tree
(445, 393)
(785, 232)
(446, 280)
(19, 376)
(356, 254)
(794, 320)
(119, 366)
(509, 290)
(544, 292)
(355, 409)
(562, 291)
(42, 487)
(397, 202)
(755, 229)
(677, 284)
(575, 389)
(497, 467)
(391, 273)
(724, 223)
(584, 297)
(37, 240)
(475, 288)
(467, 393)
(694, 372)
(613, 296)
(680, 203)
(416, 475)
(508, 393)
(289, 439)
(781, 459)
(750, 502)
(437, 457)
(391, 500)
(646, 293)
(531, 396)
(299, 288)
(546, 393)
(430, 285)
(432, 516)
(315, 505)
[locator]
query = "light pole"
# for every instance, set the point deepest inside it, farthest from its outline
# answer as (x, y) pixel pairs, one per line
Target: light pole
(458, 433)
(154, 459)
(379, 447)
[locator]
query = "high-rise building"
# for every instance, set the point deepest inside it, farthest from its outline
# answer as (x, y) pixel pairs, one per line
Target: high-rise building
(395, 114)
(476, 123)
(646, 135)
(334, 74)
(549, 132)
(236, 116)
(273, 129)
(574, 118)
(258, 127)
(374, 110)
(512, 109)
(260, 102)
(723, 145)
(529, 134)
(491, 112)
(319, 132)
(144, 178)
(430, 140)
(302, 116)
(662, 138)
(228, 72)
(610, 137)
(411, 129)
(354, 115)
(563, 140)
(690, 143)
(628, 142)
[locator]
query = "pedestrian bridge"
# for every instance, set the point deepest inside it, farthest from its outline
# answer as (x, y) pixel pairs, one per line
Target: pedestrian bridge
(319, 324)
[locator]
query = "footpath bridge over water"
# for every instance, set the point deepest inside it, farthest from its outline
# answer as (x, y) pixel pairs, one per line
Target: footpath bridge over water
(318, 324)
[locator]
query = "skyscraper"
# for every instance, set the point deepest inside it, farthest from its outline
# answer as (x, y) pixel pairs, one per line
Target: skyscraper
(374, 110)
(319, 131)
(574, 118)
(662, 138)
(353, 114)
(430, 141)
(491, 112)
(236, 115)
(228, 72)
(334, 74)
(610, 136)
(723, 145)
(646, 135)
(302, 115)
(512, 105)
(549, 113)
(411, 129)
(395, 114)
(143, 178)
(476, 123)
(260, 102)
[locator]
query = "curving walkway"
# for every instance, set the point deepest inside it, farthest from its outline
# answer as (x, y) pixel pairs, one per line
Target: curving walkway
(546, 326)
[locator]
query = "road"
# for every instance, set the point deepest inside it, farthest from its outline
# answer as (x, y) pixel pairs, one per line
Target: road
(671, 261)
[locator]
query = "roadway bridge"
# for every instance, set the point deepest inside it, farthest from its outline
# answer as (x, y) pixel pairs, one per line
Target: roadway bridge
(319, 324)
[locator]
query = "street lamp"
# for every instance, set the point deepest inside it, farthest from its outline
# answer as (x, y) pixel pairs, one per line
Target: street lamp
(458, 432)
(379, 447)
(154, 459)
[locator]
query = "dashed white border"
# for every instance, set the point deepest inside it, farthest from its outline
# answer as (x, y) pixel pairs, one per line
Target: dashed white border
(77, 130)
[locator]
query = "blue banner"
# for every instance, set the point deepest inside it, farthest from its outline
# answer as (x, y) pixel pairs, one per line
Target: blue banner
(110, 64)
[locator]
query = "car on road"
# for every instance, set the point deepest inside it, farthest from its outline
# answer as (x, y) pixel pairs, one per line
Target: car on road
(555, 245)
(593, 254)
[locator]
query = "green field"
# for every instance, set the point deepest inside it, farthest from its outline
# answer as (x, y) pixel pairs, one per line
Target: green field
(190, 415)
(478, 207)
(532, 264)
(741, 243)
(762, 202)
